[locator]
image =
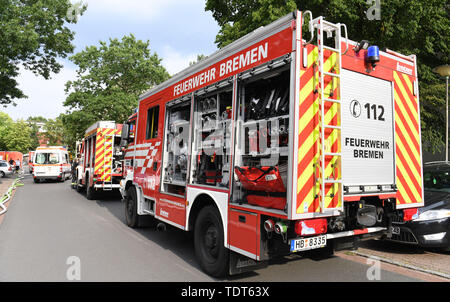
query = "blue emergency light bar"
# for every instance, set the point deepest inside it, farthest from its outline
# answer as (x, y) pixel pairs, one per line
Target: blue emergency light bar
(373, 54)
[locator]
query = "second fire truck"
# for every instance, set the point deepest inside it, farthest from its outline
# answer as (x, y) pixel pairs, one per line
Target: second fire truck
(281, 142)
(100, 159)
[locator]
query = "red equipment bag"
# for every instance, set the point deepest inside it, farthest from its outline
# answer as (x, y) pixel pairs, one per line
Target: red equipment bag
(266, 179)
(267, 201)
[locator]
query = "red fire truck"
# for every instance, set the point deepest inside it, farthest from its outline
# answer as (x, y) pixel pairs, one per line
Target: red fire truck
(280, 142)
(100, 162)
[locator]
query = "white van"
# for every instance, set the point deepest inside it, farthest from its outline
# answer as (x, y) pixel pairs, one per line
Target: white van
(51, 163)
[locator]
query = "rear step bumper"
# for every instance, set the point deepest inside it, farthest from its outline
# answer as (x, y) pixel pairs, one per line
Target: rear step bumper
(101, 186)
(356, 232)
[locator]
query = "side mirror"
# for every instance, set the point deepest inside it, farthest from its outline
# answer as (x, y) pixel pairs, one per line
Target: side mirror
(124, 137)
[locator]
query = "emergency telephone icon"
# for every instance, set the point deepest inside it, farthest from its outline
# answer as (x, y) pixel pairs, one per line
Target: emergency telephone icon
(355, 108)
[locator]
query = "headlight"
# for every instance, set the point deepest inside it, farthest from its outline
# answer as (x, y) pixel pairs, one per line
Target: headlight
(433, 215)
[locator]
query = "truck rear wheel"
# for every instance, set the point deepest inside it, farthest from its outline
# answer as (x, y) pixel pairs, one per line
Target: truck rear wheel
(209, 242)
(90, 193)
(79, 185)
(131, 215)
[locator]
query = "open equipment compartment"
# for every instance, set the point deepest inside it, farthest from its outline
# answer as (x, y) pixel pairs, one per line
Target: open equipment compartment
(212, 136)
(262, 140)
(175, 161)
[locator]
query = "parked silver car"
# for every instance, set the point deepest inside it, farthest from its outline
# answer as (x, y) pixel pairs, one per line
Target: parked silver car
(5, 169)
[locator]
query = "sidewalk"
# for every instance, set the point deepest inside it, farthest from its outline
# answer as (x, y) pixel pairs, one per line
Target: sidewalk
(5, 183)
(426, 260)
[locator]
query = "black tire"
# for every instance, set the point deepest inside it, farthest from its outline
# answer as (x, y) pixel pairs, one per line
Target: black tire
(210, 251)
(131, 216)
(79, 186)
(2, 174)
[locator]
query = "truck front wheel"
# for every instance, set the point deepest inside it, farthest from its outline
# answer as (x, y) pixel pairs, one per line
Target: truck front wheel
(209, 242)
(131, 214)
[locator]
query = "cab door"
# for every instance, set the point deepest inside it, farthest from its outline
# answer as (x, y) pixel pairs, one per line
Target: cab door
(147, 161)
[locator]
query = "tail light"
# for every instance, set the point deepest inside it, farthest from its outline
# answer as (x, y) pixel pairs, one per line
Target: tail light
(9, 169)
(311, 226)
(410, 214)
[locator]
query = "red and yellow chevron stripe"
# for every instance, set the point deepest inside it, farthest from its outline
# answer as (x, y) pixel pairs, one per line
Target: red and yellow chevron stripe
(407, 141)
(104, 153)
(308, 182)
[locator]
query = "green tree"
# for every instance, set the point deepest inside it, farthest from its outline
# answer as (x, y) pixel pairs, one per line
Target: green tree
(32, 34)
(5, 124)
(236, 18)
(18, 137)
(110, 79)
(55, 132)
(407, 26)
(35, 129)
(14, 136)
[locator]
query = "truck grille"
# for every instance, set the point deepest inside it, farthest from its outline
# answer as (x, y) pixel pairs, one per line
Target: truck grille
(405, 236)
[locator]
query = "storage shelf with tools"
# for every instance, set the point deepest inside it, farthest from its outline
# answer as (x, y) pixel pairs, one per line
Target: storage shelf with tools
(175, 156)
(210, 162)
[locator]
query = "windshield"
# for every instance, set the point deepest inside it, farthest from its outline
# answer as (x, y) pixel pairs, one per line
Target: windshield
(47, 158)
(437, 180)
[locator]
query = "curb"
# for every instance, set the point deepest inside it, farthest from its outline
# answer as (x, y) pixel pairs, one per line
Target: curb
(401, 264)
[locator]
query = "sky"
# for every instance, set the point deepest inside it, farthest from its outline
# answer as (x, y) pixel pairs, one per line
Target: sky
(178, 30)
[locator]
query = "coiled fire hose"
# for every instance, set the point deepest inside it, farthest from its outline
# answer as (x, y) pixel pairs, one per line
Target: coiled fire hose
(8, 194)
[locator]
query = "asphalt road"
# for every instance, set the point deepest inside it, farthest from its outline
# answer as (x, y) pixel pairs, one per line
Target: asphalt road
(50, 231)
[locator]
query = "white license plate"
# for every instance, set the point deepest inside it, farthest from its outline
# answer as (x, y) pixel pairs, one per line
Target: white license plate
(304, 244)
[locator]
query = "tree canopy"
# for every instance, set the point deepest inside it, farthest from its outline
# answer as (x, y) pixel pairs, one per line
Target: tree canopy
(407, 26)
(109, 80)
(15, 136)
(33, 34)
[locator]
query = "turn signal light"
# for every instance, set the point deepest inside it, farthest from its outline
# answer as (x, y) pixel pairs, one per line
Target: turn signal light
(311, 226)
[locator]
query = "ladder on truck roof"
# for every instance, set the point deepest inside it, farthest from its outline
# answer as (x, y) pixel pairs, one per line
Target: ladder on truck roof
(331, 192)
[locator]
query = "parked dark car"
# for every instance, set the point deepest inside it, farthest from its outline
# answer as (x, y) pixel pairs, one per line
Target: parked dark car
(431, 228)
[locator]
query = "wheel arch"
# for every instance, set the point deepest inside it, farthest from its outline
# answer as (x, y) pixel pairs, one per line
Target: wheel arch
(202, 199)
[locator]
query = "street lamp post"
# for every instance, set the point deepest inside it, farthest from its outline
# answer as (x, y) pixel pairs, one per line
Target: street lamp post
(444, 71)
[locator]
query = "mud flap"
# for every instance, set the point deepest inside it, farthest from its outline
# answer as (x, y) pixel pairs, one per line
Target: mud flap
(240, 264)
